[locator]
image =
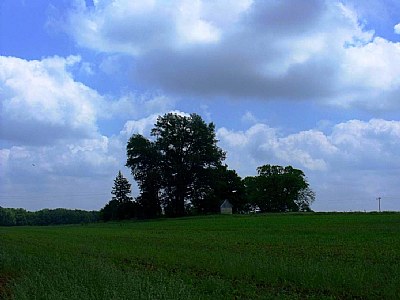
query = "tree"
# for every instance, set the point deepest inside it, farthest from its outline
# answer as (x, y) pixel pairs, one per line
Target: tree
(121, 205)
(178, 163)
(121, 189)
(231, 187)
(7, 217)
(223, 184)
(304, 200)
(109, 211)
(143, 159)
(21, 217)
(279, 189)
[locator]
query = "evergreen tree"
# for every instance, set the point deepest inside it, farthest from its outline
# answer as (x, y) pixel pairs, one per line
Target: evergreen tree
(121, 189)
(121, 205)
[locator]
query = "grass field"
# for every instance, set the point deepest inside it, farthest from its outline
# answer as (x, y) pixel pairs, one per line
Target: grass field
(317, 256)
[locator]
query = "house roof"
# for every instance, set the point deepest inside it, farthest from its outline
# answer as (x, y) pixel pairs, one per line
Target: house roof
(226, 204)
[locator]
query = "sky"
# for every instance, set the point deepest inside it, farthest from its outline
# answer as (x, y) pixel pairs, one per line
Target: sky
(309, 83)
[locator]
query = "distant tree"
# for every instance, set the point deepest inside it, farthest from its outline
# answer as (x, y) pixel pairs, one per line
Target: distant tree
(21, 217)
(175, 167)
(304, 199)
(7, 217)
(279, 189)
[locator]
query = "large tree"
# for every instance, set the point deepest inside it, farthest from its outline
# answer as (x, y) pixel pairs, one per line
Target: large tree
(181, 159)
(279, 189)
(143, 159)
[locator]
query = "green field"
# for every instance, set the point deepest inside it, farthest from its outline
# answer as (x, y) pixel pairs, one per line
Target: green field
(284, 256)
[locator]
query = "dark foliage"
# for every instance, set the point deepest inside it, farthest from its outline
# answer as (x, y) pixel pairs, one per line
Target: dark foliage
(121, 206)
(143, 159)
(174, 171)
(115, 210)
(223, 184)
(59, 216)
(279, 189)
(121, 189)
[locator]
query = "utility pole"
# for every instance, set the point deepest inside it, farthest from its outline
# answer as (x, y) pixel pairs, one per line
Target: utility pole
(379, 203)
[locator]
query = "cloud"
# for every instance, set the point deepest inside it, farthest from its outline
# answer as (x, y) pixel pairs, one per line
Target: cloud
(397, 28)
(135, 28)
(254, 49)
(49, 134)
(261, 144)
(248, 117)
(50, 176)
(41, 102)
(368, 145)
(192, 27)
(356, 144)
(143, 126)
(374, 70)
(82, 158)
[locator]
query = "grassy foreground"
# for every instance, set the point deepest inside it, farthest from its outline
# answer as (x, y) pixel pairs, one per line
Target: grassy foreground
(318, 256)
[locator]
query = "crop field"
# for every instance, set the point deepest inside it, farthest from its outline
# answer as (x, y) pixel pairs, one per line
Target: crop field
(272, 256)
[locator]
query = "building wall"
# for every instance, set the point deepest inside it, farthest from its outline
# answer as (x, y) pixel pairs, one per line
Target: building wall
(226, 211)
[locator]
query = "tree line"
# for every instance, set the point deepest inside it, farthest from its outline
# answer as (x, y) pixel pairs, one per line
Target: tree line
(180, 171)
(59, 216)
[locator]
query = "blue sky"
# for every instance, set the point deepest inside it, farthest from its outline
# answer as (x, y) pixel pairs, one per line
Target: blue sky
(313, 84)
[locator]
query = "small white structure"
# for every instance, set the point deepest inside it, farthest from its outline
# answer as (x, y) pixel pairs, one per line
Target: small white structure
(226, 208)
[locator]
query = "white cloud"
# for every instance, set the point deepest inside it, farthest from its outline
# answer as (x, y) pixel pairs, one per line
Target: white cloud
(49, 134)
(369, 145)
(246, 149)
(356, 143)
(42, 102)
(262, 144)
(397, 28)
(142, 126)
(192, 27)
(310, 149)
(374, 67)
(42, 96)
